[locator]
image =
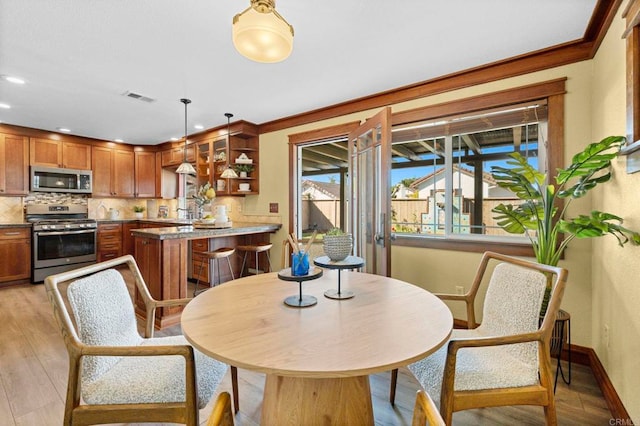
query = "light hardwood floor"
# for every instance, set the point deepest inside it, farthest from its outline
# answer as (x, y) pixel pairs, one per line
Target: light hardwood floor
(33, 379)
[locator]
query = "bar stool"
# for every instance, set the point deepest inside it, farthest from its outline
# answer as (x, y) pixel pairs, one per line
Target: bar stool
(255, 248)
(223, 252)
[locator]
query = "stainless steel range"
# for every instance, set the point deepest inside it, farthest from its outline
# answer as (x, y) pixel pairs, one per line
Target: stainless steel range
(64, 238)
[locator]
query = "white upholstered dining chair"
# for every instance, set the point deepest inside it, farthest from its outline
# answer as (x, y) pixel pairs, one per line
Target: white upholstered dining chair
(121, 376)
(506, 359)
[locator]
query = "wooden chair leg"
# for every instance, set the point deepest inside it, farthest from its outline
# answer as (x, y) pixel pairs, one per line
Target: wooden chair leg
(392, 388)
(234, 386)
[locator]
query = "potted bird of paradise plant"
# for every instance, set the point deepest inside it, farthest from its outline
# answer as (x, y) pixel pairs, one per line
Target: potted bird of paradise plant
(542, 217)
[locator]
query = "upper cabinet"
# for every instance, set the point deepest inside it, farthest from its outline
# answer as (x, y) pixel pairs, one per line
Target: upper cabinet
(237, 150)
(122, 173)
(175, 156)
(69, 155)
(14, 164)
(113, 172)
(145, 174)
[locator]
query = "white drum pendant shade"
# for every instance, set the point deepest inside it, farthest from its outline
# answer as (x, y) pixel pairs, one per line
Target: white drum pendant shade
(262, 37)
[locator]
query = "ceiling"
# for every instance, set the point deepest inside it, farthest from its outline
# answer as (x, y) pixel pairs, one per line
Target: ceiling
(78, 57)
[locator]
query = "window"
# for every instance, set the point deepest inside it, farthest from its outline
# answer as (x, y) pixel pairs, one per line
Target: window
(441, 176)
(442, 188)
(442, 191)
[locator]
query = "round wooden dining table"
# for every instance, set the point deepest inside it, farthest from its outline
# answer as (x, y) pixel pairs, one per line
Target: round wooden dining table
(317, 359)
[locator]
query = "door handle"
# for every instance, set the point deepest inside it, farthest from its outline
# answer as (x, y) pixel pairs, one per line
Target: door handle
(379, 236)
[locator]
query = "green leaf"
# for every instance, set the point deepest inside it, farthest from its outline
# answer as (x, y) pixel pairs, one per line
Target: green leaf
(597, 225)
(514, 220)
(590, 167)
(521, 179)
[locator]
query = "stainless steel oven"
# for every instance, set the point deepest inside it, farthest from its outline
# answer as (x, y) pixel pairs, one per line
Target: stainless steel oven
(63, 238)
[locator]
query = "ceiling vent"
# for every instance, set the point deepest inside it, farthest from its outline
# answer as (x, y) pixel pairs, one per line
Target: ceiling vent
(138, 96)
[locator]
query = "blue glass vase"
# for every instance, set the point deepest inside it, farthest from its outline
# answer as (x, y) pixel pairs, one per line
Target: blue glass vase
(300, 263)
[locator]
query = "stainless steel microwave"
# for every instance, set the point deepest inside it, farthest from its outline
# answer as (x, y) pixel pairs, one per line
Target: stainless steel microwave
(47, 179)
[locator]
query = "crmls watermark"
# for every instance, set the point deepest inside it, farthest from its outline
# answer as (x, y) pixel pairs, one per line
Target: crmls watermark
(620, 422)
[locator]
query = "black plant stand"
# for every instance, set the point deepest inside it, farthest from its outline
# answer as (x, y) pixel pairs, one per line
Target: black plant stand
(300, 300)
(562, 319)
(350, 262)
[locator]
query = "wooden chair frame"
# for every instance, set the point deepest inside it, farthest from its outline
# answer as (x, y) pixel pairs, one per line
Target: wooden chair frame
(77, 414)
(425, 411)
(537, 394)
(221, 414)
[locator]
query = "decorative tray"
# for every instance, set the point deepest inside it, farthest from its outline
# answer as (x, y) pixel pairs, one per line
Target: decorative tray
(220, 225)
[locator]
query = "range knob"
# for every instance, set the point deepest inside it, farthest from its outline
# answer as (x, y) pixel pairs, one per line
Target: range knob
(67, 226)
(45, 226)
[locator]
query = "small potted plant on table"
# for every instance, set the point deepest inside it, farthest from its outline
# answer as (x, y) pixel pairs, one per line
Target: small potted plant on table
(337, 244)
(138, 211)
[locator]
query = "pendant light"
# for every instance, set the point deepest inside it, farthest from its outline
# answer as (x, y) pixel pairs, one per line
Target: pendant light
(261, 34)
(185, 168)
(229, 173)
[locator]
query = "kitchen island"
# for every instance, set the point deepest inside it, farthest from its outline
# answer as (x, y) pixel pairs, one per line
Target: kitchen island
(162, 256)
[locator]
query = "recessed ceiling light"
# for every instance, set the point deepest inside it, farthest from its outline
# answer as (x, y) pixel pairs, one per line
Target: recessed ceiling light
(199, 126)
(118, 140)
(13, 79)
(5, 106)
(175, 139)
(63, 129)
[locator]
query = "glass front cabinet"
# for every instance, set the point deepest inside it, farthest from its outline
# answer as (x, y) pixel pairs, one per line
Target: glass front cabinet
(218, 150)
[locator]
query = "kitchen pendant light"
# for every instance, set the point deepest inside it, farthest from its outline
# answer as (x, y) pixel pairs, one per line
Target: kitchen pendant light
(261, 34)
(185, 168)
(229, 173)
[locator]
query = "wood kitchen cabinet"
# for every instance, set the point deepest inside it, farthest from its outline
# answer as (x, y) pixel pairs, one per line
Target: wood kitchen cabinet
(109, 241)
(175, 156)
(145, 174)
(15, 252)
(162, 264)
(215, 155)
(14, 165)
(113, 172)
(199, 264)
(50, 153)
(128, 246)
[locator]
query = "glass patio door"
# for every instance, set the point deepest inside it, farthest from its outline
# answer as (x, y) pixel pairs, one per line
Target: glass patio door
(369, 201)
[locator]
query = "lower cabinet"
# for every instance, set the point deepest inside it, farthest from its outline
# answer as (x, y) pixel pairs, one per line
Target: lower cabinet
(109, 241)
(15, 252)
(199, 264)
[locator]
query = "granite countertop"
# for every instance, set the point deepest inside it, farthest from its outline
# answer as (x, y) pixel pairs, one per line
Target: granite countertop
(15, 225)
(189, 232)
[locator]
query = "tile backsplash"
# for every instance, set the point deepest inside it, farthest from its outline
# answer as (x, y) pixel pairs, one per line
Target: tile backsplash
(12, 208)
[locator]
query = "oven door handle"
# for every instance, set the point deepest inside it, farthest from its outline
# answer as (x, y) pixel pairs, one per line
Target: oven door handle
(43, 233)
